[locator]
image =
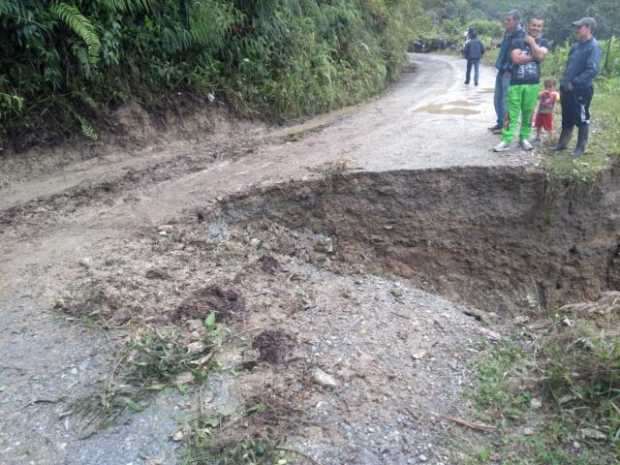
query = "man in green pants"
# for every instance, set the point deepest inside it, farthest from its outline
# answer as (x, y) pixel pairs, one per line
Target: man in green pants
(526, 54)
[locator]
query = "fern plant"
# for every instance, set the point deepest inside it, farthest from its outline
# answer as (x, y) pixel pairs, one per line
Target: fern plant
(80, 25)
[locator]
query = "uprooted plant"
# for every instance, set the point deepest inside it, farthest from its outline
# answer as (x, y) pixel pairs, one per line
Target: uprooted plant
(148, 363)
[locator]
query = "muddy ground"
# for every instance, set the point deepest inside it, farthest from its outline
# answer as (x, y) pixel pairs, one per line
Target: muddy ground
(381, 244)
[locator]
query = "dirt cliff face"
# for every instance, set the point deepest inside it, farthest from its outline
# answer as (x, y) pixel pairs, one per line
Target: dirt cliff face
(496, 238)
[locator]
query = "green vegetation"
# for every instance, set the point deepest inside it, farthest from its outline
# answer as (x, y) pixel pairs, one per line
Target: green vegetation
(64, 64)
(552, 393)
(201, 449)
(149, 363)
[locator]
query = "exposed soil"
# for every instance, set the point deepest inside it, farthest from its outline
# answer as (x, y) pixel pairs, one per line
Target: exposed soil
(357, 261)
(497, 238)
(226, 303)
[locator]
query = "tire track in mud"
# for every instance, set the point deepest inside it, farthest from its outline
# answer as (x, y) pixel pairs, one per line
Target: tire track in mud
(50, 209)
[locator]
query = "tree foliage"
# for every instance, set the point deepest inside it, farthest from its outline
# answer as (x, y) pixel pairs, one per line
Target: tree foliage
(63, 63)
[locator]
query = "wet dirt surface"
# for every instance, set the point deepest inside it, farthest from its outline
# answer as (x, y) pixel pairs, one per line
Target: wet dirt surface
(134, 235)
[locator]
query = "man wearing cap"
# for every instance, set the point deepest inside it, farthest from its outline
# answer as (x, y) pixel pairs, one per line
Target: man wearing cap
(576, 88)
(503, 65)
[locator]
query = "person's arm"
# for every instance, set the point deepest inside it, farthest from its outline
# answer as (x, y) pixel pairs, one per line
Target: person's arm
(519, 57)
(538, 52)
(591, 68)
(466, 49)
(482, 49)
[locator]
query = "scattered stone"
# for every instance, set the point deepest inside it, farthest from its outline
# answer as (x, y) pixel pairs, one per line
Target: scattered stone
(323, 379)
(423, 458)
(178, 436)
(528, 431)
(591, 433)
(419, 355)
(324, 245)
(184, 378)
(567, 322)
(196, 347)
(155, 273)
(86, 262)
(165, 227)
(576, 445)
(536, 403)
(489, 334)
(255, 242)
(396, 292)
(521, 320)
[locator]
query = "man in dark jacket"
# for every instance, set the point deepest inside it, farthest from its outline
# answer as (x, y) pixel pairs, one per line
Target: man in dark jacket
(473, 51)
(504, 67)
(576, 88)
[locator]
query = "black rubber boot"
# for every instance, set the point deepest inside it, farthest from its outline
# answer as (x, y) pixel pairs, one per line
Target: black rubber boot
(582, 140)
(565, 136)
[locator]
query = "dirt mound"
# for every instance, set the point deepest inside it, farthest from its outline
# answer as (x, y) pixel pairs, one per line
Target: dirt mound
(273, 346)
(269, 264)
(227, 303)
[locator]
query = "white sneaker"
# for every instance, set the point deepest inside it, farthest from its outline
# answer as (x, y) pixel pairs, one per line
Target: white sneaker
(526, 145)
(502, 147)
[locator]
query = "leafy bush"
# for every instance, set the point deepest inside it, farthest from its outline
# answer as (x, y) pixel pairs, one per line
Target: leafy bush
(63, 63)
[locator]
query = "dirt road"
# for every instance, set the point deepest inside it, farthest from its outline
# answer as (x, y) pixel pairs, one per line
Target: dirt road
(61, 225)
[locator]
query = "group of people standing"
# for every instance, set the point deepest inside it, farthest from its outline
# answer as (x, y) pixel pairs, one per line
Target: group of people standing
(517, 86)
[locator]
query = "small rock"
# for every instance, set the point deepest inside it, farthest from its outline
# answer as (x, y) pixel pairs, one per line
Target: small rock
(210, 97)
(255, 242)
(419, 355)
(491, 335)
(591, 433)
(522, 319)
(536, 403)
(528, 431)
(165, 227)
(86, 262)
(567, 322)
(178, 436)
(324, 379)
(576, 445)
(423, 458)
(184, 378)
(396, 292)
(196, 347)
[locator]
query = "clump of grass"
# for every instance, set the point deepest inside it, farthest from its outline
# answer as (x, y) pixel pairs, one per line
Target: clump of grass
(555, 400)
(148, 363)
(201, 451)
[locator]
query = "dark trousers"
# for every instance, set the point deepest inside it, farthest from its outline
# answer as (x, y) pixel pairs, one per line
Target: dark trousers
(476, 65)
(575, 107)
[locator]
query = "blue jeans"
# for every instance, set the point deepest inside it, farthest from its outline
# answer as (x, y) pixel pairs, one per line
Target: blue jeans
(502, 82)
(476, 65)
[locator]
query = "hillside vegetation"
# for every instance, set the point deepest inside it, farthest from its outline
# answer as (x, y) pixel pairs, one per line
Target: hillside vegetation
(64, 64)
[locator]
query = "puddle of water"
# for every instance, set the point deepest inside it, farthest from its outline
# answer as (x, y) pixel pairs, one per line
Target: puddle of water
(459, 103)
(445, 109)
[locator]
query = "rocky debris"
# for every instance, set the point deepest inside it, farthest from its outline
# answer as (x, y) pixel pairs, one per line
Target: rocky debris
(324, 379)
(156, 273)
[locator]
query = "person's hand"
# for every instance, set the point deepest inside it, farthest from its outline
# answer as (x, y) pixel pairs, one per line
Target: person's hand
(529, 40)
